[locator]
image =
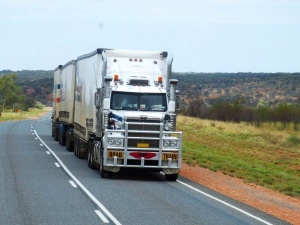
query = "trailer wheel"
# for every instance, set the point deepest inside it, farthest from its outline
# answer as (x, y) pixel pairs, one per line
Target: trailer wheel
(61, 135)
(75, 146)
(89, 155)
(171, 177)
(103, 173)
(56, 130)
(69, 144)
(81, 150)
(53, 130)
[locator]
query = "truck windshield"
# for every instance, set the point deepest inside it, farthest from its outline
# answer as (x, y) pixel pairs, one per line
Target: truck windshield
(138, 101)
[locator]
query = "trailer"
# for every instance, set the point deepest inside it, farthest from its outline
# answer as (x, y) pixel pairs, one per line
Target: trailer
(56, 102)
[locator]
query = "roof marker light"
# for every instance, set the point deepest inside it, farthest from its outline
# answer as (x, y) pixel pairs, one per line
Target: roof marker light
(116, 77)
(160, 79)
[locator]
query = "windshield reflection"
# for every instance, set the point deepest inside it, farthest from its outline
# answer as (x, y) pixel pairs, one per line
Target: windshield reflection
(138, 101)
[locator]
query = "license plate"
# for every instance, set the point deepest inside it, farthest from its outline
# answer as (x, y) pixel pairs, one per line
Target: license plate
(111, 154)
(173, 156)
(143, 145)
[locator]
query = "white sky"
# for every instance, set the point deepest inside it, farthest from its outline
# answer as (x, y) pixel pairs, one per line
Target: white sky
(202, 35)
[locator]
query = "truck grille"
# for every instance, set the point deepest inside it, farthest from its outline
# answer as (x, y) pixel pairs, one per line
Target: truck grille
(143, 137)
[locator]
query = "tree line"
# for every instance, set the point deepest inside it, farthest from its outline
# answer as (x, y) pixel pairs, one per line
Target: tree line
(12, 96)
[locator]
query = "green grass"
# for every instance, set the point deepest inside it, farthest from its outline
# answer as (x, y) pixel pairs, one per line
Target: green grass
(32, 112)
(265, 156)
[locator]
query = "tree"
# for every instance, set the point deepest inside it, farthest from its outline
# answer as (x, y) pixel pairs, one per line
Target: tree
(10, 93)
(197, 108)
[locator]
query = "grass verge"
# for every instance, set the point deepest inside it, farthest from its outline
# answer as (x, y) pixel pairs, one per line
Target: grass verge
(266, 156)
(31, 113)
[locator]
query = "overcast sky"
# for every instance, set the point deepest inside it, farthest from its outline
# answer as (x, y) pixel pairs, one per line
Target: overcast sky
(202, 35)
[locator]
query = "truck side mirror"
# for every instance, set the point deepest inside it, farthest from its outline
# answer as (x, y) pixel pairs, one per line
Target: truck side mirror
(177, 100)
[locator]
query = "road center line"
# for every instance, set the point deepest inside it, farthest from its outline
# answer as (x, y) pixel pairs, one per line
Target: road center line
(225, 203)
(87, 192)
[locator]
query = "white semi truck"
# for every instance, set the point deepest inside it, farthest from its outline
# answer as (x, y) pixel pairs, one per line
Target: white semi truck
(118, 109)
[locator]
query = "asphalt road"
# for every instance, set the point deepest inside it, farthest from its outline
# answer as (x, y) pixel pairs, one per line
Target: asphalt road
(42, 183)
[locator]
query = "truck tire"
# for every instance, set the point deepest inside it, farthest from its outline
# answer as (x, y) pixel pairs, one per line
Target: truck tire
(69, 143)
(171, 177)
(62, 135)
(103, 173)
(59, 136)
(94, 164)
(81, 150)
(75, 146)
(90, 153)
(53, 130)
(56, 130)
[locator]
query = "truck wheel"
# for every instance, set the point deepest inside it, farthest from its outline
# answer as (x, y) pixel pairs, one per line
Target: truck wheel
(171, 177)
(75, 146)
(53, 130)
(89, 157)
(60, 136)
(67, 141)
(90, 153)
(93, 164)
(81, 150)
(56, 133)
(103, 173)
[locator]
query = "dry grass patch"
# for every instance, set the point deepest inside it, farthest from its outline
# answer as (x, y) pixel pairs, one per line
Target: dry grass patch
(265, 155)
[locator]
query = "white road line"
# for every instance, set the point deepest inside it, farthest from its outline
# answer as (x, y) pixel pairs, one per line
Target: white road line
(88, 193)
(225, 203)
(48, 152)
(73, 184)
(57, 164)
(41, 145)
(102, 217)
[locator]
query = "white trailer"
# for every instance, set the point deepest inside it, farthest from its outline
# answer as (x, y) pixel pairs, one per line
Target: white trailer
(67, 104)
(130, 122)
(56, 102)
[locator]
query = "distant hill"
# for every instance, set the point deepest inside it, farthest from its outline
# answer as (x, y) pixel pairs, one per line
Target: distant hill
(273, 88)
(37, 84)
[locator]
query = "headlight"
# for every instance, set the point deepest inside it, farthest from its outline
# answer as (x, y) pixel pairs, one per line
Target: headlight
(111, 141)
(166, 143)
(118, 141)
(173, 144)
(115, 142)
(170, 143)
